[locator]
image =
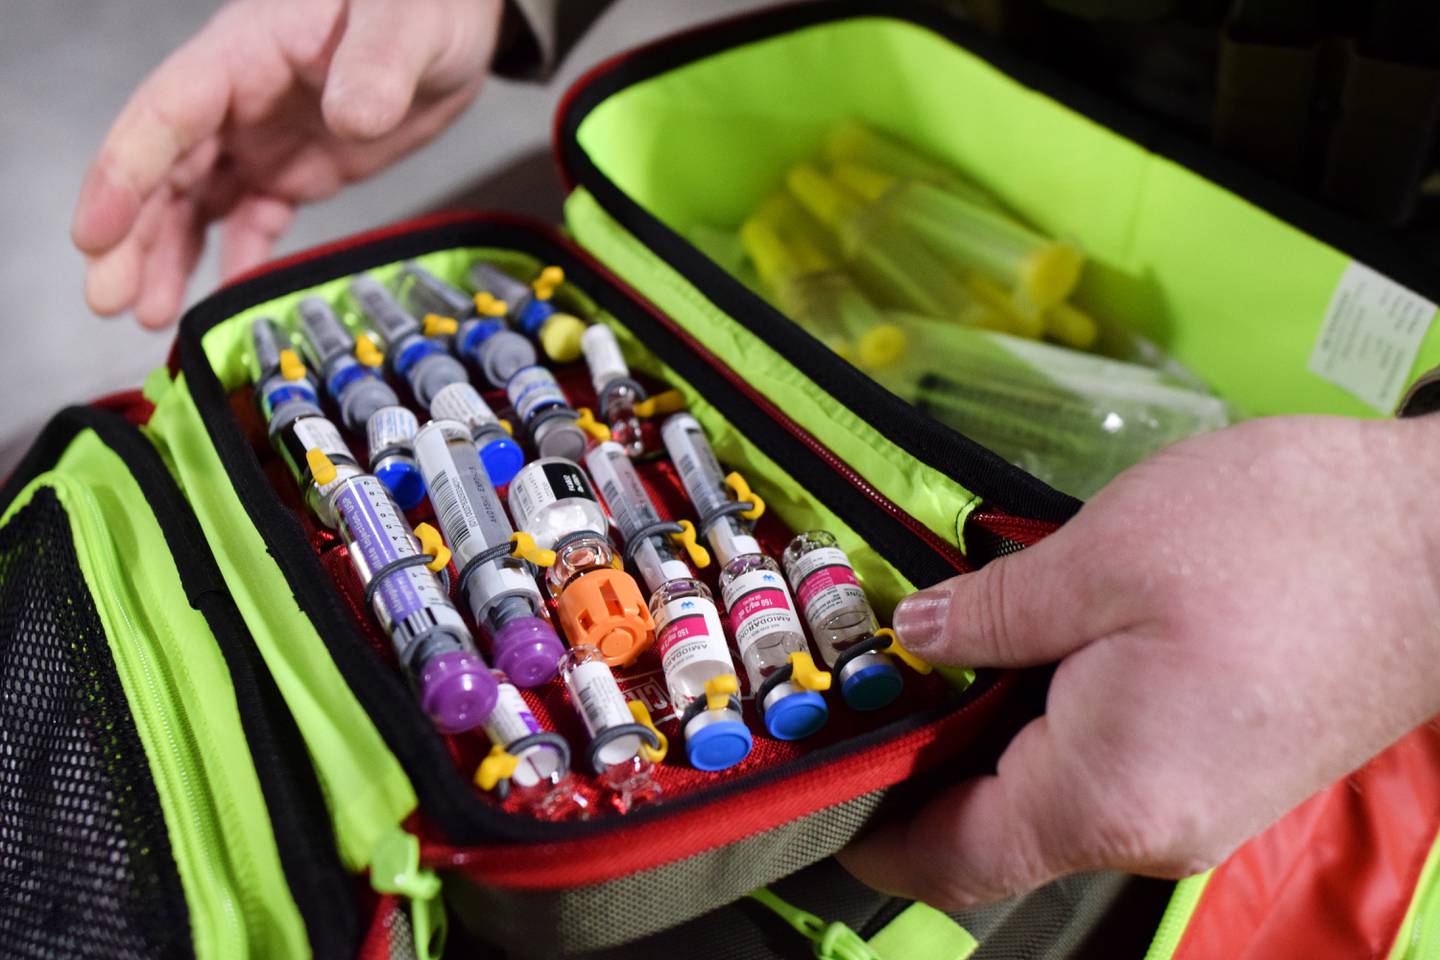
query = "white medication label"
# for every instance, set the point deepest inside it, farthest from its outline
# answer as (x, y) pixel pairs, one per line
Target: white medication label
(759, 605)
(390, 427)
(598, 697)
(1370, 336)
(699, 471)
(317, 433)
(688, 630)
(511, 719)
(825, 583)
(541, 484)
(462, 402)
(534, 389)
(602, 355)
(621, 488)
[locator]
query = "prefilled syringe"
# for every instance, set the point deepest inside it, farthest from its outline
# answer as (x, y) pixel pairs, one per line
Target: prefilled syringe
(481, 333)
(782, 674)
(497, 583)
(438, 380)
(286, 395)
(368, 406)
(597, 604)
(841, 620)
(696, 661)
(616, 392)
(430, 638)
(531, 309)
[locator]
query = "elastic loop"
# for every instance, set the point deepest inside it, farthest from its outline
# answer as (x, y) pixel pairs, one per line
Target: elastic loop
(394, 566)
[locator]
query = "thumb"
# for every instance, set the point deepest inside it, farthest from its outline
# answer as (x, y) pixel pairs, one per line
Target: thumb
(385, 50)
(1020, 610)
(988, 838)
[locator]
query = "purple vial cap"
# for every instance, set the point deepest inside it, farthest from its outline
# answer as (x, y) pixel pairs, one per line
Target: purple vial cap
(457, 691)
(528, 650)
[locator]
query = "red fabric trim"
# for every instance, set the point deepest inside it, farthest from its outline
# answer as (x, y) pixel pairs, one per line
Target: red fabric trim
(130, 404)
(1334, 877)
(623, 851)
(376, 945)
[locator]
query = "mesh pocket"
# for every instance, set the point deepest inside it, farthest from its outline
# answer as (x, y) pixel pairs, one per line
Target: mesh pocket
(85, 863)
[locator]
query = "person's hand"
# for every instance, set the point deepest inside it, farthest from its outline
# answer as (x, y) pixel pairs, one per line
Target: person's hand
(274, 103)
(1240, 621)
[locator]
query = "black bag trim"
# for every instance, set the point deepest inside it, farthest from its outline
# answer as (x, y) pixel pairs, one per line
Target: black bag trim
(940, 447)
(447, 799)
(323, 892)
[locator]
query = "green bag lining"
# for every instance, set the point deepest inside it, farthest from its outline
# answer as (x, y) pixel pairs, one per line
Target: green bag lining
(172, 670)
(365, 789)
(1231, 291)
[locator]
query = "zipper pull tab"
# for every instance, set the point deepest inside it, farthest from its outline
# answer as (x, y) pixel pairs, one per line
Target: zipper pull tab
(395, 868)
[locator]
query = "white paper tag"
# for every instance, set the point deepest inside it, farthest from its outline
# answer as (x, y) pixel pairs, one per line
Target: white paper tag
(1370, 336)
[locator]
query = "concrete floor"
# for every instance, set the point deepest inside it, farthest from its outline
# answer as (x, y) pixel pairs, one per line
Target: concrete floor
(67, 67)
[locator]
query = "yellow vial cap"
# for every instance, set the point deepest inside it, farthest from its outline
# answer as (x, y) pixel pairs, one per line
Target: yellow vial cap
(689, 540)
(894, 649)
(549, 280)
(670, 401)
(488, 305)
(743, 494)
(560, 337)
(433, 546)
(499, 764)
(719, 689)
(586, 421)
(322, 471)
(641, 713)
(525, 547)
(366, 351)
(440, 326)
(291, 366)
(806, 675)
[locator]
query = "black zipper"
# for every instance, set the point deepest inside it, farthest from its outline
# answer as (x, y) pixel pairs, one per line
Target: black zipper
(448, 800)
(996, 481)
(322, 890)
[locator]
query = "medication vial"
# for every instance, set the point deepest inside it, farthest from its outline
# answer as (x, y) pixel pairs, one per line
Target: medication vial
(546, 414)
(368, 406)
(541, 781)
(615, 392)
(438, 381)
(762, 615)
(499, 588)
(596, 603)
(481, 335)
(841, 620)
(616, 740)
(688, 634)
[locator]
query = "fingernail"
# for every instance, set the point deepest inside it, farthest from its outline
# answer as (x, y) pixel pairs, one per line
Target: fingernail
(920, 619)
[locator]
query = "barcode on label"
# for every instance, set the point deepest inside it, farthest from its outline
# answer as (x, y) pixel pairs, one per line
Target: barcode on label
(445, 495)
(593, 706)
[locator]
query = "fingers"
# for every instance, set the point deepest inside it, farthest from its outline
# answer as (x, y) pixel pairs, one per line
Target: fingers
(378, 65)
(1020, 610)
(178, 106)
(112, 279)
(250, 232)
(985, 840)
(169, 263)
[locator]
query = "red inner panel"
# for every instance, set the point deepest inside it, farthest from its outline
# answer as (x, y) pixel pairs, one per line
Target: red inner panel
(644, 679)
(1335, 876)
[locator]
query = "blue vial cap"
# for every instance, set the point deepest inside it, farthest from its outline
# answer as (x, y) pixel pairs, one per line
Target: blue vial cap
(719, 745)
(404, 482)
(533, 317)
(502, 458)
(873, 687)
(796, 716)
